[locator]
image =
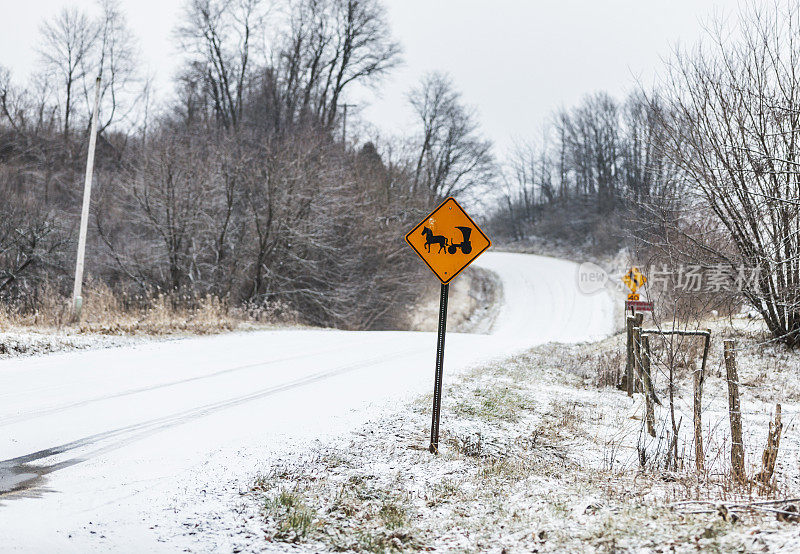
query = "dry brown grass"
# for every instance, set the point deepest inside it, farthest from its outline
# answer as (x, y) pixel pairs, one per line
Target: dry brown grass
(108, 313)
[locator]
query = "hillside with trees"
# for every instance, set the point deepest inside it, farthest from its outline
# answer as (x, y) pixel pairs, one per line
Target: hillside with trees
(244, 187)
(700, 173)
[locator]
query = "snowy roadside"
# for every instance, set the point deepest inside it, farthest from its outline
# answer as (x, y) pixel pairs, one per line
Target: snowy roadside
(37, 342)
(474, 303)
(20, 342)
(535, 457)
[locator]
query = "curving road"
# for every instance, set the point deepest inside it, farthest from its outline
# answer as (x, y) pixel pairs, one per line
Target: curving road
(100, 449)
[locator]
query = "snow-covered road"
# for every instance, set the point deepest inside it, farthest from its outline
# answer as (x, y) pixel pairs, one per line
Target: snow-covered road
(113, 449)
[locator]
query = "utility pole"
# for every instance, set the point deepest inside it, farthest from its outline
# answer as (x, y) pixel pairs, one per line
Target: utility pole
(344, 122)
(77, 300)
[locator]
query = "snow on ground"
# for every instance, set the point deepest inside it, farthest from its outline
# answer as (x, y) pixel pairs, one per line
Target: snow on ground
(133, 448)
(535, 457)
(474, 300)
(24, 342)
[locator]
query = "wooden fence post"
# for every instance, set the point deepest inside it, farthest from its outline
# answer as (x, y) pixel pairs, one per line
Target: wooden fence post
(629, 354)
(699, 379)
(735, 411)
(771, 450)
(699, 455)
(648, 387)
(637, 358)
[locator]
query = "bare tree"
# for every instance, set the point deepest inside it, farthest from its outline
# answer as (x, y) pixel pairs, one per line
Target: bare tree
(528, 185)
(218, 35)
(364, 49)
(67, 41)
(733, 132)
(114, 58)
(332, 44)
(168, 195)
(9, 109)
(451, 157)
(593, 146)
(31, 242)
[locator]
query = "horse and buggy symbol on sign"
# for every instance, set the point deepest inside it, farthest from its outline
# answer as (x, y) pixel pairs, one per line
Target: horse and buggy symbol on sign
(449, 246)
(447, 240)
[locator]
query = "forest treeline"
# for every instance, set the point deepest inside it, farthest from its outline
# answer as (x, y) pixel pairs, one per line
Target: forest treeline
(699, 175)
(594, 170)
(245, 187)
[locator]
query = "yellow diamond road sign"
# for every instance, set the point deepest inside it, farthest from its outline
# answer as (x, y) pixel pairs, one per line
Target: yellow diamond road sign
(448, 240)
(634, 279)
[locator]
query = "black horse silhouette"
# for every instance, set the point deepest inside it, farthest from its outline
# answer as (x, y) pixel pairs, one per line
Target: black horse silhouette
(430, 239)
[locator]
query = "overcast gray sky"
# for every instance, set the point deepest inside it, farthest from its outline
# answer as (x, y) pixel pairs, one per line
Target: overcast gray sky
(516, 61)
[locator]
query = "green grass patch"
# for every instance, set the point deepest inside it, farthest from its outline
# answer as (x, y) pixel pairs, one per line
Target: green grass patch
(294, 519)
(392, 514)
(504, 403)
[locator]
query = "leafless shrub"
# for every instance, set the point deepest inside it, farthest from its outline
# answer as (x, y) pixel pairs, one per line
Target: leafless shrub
(610, 366)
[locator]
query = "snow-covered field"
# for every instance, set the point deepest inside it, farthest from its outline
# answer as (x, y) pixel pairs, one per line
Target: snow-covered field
(128, 449)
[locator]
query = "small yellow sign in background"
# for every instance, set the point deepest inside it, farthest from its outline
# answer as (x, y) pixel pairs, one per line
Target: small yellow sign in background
(634, 279)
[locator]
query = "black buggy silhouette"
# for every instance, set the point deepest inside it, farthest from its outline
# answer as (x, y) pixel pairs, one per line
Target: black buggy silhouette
(465, 245)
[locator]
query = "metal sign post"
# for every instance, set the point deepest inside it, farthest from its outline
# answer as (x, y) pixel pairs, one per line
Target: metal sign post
(447, 240)
(437, 383)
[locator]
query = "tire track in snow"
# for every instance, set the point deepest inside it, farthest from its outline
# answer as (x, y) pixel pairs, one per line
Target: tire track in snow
(80, 403)
(12, 468)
